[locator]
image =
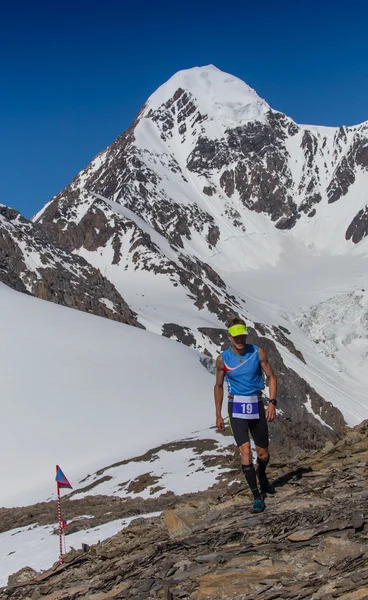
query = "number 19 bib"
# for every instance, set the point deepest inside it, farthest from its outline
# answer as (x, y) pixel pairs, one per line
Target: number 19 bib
(245, 407)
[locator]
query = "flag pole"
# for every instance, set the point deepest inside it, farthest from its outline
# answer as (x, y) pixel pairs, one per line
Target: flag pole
(61, 482)
(60, 525)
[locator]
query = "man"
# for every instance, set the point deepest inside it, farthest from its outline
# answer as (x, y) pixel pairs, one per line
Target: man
(241, 365)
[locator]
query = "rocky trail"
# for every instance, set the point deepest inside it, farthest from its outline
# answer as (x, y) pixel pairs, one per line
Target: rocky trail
(310, 543)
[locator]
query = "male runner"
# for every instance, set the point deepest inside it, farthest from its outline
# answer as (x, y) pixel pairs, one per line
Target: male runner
(241, 365)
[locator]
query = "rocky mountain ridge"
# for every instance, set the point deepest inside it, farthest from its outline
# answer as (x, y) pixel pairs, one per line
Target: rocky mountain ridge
(31, 263)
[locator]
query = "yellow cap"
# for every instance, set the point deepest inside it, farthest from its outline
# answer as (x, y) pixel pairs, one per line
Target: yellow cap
(238, 330)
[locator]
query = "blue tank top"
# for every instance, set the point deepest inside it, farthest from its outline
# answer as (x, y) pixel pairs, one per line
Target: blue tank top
(243, 373)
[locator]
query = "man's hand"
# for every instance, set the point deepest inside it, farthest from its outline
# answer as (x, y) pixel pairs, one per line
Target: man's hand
(220, 423)
(271, 412)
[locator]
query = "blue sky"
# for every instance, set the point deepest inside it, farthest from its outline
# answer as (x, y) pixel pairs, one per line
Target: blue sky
(75, 73)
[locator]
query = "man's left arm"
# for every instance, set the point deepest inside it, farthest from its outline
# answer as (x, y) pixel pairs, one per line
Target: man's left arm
(266, 367)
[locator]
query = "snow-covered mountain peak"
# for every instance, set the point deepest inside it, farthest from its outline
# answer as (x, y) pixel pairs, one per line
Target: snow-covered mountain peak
(216, 93)
(209, 190)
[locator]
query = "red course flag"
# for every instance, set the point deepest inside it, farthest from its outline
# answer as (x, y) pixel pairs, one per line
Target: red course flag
(61, 480)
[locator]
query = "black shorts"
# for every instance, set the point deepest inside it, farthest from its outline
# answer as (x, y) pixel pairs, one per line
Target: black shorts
(258, 428)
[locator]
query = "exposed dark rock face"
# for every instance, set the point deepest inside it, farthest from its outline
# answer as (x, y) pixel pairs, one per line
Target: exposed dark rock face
(208, 190)
(213, 235)
(358, 228)
(278, 333)
(227, 182)
(287, 222)
(345, 174)
(9, 277)
(261, 165)
(31, 263)
(343, 179)
(181, 334)
(218, 337)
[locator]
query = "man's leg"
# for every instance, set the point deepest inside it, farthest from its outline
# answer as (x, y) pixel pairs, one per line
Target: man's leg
(248, 469)
(259, 431)
(263, 458)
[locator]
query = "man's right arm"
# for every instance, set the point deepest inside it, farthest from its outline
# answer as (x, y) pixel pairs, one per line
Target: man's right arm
(219, 392)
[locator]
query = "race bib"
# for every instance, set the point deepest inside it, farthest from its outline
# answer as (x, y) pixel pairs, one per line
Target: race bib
(245, 407)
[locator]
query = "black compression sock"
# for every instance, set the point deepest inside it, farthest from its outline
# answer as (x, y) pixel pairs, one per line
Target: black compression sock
(250, 476)
(262, 464)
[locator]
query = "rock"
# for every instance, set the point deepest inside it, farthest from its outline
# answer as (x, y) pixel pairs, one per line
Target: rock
(361, 594)
(182, 564)
(145, 585)
(72, 554)
(66, 593)
(328, 447)
(207, 558)
(362, 427)
(110, 595)
(177, 525)
(302, 535)
(22, 576)
(232, 584)
(358, 521)
(333, 549)
(299, 503)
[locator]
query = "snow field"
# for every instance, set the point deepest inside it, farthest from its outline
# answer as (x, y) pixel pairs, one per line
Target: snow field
(91, 392)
